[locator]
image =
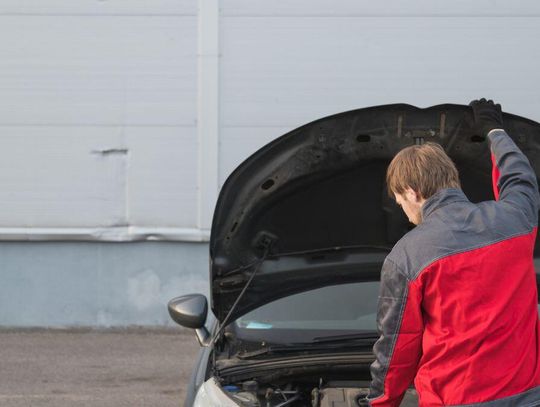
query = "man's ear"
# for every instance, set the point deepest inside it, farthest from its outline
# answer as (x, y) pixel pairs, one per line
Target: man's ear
(412, 195)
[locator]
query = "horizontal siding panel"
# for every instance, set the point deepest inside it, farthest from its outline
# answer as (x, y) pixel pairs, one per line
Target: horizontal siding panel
(98, 71)
(279, 8)
(98, 7)
(97, 177)
(163, 177)
(288, 71)
(57, 177)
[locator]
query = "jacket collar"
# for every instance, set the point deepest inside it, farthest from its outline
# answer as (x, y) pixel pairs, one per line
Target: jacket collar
(442, 198)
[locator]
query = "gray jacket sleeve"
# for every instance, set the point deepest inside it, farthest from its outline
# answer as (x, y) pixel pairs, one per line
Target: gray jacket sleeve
(514, 180)
(399, 348)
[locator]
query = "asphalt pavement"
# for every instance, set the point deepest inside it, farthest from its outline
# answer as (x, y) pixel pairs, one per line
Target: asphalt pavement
(134, 367)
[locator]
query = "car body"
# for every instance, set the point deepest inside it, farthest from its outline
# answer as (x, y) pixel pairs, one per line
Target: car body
(299, 234)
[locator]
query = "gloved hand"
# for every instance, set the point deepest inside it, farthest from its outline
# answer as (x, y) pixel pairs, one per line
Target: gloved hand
(487, 116)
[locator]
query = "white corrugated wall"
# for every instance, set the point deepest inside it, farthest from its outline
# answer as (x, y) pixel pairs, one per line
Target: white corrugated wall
(98, 119)
(120, 120)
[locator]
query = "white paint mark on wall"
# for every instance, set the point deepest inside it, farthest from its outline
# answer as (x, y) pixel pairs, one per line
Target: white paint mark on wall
(105, 319)
(144, 290)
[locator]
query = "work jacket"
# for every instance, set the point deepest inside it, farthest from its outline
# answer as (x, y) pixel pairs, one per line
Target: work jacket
(458, 301)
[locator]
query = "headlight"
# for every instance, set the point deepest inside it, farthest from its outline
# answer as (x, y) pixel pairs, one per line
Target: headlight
(210, 394)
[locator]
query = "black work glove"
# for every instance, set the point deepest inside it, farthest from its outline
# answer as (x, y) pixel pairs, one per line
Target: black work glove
(487, 116)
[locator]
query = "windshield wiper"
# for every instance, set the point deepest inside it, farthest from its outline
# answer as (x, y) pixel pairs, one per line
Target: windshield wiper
(334, 249)
(366, 342)
(368, 336)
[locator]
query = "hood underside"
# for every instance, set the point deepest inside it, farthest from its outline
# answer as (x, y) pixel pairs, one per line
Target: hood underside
(311, 207)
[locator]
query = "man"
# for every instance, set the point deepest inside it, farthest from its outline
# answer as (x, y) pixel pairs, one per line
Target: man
(457, 308)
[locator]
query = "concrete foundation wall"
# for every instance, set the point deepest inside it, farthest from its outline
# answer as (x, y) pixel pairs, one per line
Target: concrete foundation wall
(57, 284)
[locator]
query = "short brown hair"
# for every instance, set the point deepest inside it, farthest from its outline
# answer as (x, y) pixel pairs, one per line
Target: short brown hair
(425, 168)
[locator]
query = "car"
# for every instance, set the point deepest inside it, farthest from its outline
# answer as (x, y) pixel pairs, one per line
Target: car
(299, 234)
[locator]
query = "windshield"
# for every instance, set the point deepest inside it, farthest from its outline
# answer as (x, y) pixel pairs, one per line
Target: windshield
(331, 310)
(327, 311)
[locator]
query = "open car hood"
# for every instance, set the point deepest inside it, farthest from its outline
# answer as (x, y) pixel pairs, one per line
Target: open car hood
(311, 208)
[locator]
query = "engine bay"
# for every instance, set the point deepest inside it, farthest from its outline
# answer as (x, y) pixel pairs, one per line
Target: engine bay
(252, 393)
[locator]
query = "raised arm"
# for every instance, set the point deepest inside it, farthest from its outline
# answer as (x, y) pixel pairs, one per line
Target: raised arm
(514, 180)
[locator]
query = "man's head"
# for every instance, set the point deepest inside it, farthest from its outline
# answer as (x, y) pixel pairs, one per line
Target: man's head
(416, 173)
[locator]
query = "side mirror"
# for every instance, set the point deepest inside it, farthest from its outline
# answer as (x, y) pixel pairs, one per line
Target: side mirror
(190, 311)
